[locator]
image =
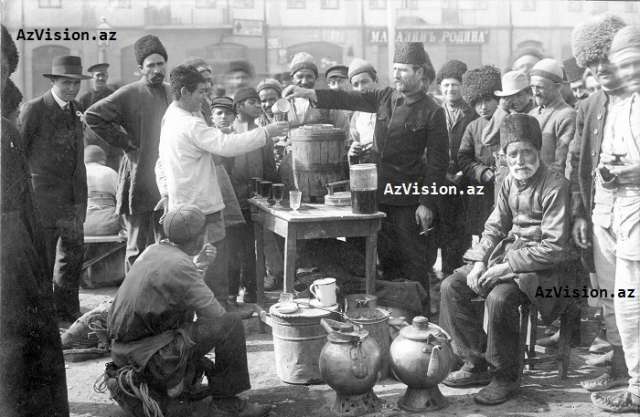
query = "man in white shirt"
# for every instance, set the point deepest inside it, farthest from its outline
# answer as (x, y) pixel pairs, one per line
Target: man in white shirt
(186, 172)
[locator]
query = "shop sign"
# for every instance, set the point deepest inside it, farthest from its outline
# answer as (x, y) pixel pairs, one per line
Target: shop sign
(433, 36)
(246, 27)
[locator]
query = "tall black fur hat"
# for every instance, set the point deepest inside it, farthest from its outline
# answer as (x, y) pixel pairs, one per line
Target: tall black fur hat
(412, 53)
(148, 45)
(520, 127)
(451, 69)
(9, 50)
(591, 40)
(480, 82)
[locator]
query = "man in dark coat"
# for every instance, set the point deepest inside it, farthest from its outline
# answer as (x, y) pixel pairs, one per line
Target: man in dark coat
(99, 90)
(521, 252)
(408, 123)
(476, 160)
(450, 219)
(130, 120)
(32, 376)
(51, 129)
(591, 43)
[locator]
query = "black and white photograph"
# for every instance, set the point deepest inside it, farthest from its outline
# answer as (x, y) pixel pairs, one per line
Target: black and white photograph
(320, 208)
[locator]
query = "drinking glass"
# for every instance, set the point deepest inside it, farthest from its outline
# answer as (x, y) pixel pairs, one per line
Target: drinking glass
(265, 189)
(295, 197)
(253, 186)
(278, 193)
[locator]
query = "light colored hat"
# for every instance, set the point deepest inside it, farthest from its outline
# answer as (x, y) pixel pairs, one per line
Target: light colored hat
(512, 83)
(303, 60)
(591, 40)
(548, 68)
(625, 44)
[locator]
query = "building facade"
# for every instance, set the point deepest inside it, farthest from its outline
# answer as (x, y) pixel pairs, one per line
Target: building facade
(269, 32)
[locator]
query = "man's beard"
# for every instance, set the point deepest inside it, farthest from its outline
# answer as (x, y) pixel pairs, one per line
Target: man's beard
(156, 79)
(526, 173)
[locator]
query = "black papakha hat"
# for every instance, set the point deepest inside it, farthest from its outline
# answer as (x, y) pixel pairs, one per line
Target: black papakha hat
(480, 83)
(411, 53)
(520, 127)
(451, 69)
(148, 45)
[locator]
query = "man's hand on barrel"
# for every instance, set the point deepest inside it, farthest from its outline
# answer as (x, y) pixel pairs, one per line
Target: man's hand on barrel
(276, 129)
(293, 91)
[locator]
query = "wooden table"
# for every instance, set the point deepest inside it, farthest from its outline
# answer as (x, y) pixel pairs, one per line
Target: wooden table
(311, 221)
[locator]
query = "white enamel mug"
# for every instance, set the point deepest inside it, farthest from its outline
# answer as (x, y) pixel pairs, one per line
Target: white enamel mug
(324, 290)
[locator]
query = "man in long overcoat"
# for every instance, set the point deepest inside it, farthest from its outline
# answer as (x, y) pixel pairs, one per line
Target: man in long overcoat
(130, 119)
(51, 129)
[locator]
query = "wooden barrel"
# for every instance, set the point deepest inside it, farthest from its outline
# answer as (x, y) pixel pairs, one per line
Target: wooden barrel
(318, 158)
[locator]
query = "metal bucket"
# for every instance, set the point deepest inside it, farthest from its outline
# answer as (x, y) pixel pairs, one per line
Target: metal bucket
(298, 339)
(376, 322)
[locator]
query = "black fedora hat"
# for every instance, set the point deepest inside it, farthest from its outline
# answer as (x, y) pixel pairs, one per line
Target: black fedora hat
(67, 67)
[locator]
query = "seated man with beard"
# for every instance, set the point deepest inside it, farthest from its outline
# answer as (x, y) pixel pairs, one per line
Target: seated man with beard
(155, 340)
(522, 251)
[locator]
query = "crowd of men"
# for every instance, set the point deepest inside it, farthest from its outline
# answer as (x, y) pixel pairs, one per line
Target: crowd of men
(559, 165)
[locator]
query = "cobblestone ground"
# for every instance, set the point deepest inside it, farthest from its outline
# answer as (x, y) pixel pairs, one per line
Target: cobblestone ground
(543, 394)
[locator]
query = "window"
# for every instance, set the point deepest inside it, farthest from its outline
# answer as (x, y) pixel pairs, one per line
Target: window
(529, 5)
(243, 4)
(469, 5)
(296, 4)
(329, 4)
(377, 4)
(120, 4)
(575, 6)
(205, 4)
(49, 4)
(630, 7)
(409, 4)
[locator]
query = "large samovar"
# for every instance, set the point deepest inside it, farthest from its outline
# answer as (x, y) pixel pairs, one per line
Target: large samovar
(421, 357)
(349, 363)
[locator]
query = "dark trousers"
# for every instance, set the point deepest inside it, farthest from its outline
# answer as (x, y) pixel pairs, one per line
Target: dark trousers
(64, 245)
(175, 362)
(499, 346)
(242, 258)
(451, 231)
(226, 336)
(401, 249)
(143, 229)
(216, 275)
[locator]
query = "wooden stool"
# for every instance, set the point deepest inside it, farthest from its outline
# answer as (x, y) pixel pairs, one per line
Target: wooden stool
(103, 261)
(528, 337)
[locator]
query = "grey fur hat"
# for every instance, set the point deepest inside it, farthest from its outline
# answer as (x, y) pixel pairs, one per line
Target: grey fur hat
(451, 69)
(591, 40)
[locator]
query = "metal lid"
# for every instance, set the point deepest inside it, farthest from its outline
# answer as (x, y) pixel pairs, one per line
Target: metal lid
(305, 310)
(421, 330)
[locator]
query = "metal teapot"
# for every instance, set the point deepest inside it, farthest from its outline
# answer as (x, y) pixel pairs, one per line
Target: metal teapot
(421, 357)
(349, 363)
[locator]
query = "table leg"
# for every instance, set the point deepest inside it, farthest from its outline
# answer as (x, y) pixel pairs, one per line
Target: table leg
(260, 269)
(370, 263)
(289, 258)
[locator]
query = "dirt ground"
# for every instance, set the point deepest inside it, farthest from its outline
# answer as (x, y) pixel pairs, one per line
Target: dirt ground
(542, 394)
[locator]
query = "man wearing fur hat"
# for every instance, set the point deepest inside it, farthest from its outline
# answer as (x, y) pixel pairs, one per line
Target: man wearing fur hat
(130, 120)
(409, 122)
(450, 218)
(51, 129)
(589, 197)
(522, 250)
(557, 119)
(476, 159)
(617, 202)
